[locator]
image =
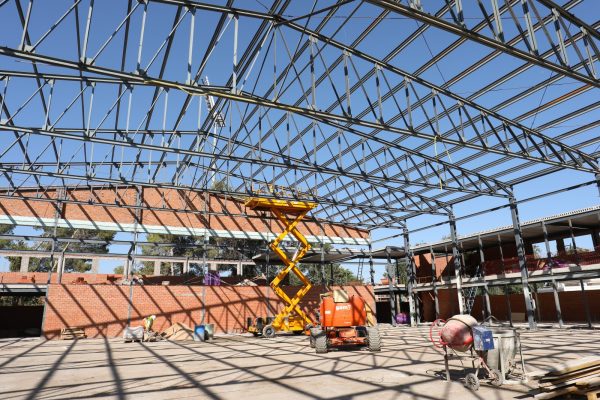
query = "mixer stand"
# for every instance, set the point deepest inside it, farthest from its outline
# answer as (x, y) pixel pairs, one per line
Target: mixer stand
(477, 363)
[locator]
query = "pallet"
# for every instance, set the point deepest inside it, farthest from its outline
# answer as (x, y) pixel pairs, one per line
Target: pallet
(585, 386)
(576, 377)
(589, 388)
(72, 333)
(591, 394)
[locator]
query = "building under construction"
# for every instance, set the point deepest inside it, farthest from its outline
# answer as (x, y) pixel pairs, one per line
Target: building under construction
(205, 177)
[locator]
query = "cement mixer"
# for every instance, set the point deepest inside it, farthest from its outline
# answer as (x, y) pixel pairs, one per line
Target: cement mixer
(478, 343)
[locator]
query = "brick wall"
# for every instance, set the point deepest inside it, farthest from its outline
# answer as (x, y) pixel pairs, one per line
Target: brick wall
(169, 199)
(571, 304)
(102, 310)
(42, 277)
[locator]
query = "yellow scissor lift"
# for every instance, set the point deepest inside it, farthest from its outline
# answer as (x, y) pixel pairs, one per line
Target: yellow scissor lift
(291, 318)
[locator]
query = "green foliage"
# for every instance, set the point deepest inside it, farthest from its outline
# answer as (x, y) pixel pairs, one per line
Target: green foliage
(509, 289)
(221, 185)
(193, 247)
(401, 272)
(74, 265)
(314, 272)
(71, 265)
(14, 262)
(571, 250)
(21, 301)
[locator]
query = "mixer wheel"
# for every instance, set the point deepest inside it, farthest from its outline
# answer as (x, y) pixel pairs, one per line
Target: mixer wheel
(496, 377)
(472, 382)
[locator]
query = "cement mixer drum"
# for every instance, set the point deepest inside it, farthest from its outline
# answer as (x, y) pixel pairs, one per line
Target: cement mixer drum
(457, 332)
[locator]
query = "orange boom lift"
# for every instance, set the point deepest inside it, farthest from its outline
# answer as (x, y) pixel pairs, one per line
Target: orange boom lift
(291, 318)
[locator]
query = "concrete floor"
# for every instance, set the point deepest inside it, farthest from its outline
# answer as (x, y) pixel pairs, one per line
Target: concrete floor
(241, 367)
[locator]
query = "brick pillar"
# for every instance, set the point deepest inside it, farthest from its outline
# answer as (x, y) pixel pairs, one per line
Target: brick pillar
(24, 265)
(528, 248)
(95, 265)
(595, 238)
(560, 245)
(60, 269)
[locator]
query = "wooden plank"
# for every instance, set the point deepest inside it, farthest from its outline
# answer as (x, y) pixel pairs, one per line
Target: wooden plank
(570, 379)
(550, 378)
(556, 393)
(574, 365)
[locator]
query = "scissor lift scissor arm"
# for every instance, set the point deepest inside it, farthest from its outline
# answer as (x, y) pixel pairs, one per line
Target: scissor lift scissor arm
(282, 209)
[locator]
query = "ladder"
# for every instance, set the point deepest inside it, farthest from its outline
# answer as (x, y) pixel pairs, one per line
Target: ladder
(471, 293)
(359, 273)
(210, 105)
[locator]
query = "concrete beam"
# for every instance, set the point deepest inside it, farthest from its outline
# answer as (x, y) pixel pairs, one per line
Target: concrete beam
(24, 264)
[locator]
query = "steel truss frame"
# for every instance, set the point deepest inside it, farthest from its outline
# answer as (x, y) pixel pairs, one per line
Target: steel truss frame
(302, 98)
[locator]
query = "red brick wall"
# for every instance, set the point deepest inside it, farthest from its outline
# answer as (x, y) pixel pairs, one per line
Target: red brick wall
(42, 277)
(172, 201)
(444, 266)
(571, 304)
(102, 310)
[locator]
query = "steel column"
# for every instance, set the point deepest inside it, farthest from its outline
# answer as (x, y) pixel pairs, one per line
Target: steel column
(586, 304)
(554, 288)
(391, 273)
(434, 283)
(410, 282)
(457, 264)
(529, 303)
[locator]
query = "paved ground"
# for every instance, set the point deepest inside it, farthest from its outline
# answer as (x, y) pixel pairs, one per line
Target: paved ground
(239, 367)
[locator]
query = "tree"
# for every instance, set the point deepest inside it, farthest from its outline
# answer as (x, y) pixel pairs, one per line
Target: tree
(183, 246)
(221, 185)
(193, 247)
(14, 262)
(401, 273)
(76, 265)
(312, 272)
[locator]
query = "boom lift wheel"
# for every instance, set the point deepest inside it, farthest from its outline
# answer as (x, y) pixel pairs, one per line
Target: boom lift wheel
(321, 343)
(314, 332)
(374, 339)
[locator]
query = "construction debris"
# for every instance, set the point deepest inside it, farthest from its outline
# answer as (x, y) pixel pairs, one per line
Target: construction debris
(135, 334)
(581, 377)
(246, 282)
(72, 333)
(177, 332)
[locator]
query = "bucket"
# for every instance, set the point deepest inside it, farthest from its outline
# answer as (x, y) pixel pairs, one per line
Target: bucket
(199, 333)
(506, 345)
(210, 331)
